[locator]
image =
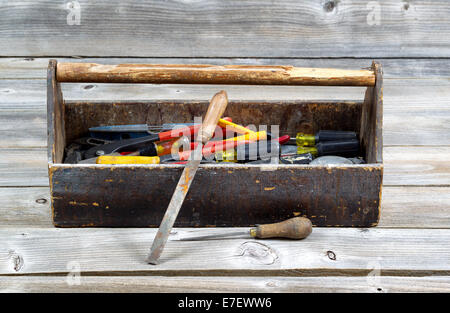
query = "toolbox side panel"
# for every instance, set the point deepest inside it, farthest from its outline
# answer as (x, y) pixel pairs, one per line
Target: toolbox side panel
(127, 196)
(55, 116)
(371, 132)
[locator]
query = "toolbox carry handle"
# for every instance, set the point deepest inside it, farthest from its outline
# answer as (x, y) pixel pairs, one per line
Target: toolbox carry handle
(211, 74)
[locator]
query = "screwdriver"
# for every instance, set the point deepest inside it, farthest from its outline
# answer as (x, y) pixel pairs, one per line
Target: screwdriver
(308, 140)
(261, 150)
(229, 126)
(293, 228)
(184, 155)
(121, 132)
(346, 148)
(142, 142)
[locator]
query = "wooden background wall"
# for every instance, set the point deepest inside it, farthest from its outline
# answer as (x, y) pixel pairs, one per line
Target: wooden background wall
(233, 28)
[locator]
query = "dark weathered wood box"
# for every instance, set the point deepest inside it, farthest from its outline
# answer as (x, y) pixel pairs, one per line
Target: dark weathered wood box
(220, 195)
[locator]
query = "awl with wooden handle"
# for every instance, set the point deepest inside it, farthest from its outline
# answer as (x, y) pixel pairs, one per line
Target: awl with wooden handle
(216, 109)
(293, 228)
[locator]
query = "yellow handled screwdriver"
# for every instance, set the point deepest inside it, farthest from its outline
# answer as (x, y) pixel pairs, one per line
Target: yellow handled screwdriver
(228, 143)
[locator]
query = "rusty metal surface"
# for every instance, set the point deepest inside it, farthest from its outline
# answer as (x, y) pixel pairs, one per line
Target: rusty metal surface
(137, 196)
(174, 206)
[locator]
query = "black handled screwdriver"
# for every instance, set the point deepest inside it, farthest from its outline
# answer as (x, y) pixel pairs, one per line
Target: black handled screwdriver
(345, 148)
(307, 140)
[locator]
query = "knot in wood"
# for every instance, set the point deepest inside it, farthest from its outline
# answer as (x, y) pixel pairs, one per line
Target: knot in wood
(329, 6)
(41, 201)
(89, 87)
(331, 255)
(17, 260)
(257, 253)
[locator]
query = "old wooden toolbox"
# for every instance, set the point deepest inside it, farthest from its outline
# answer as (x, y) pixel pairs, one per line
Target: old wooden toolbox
(223, 194)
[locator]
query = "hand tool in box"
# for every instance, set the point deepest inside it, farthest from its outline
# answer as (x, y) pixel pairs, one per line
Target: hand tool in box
(263, 149)
(215, 110)
(228, 143)
(74, 152)
(324, 135)
(160, 149)
(250, 152)
(121, 132)
(293, 228)
(346, 148)
(234, 127)
(305, 158)
(125, 159)
(184, 155)
(144, 144)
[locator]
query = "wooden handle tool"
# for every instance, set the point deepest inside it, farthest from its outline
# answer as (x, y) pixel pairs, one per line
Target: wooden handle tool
(293, 228)
(216, 109)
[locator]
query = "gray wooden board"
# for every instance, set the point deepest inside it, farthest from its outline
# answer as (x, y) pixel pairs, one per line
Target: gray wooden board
(36, 68)
(134, 284)
(214, 28)
(326, 252)
(416, 111)
(416, 207)
(408, 165)
(25, 207)
(407, 207)
(416, 166)
(23, 167)
(23, 128)
(23, 94)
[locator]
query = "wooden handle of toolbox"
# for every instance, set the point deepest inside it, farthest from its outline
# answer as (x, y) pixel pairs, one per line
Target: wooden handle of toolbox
(211, 74)
(216, 108)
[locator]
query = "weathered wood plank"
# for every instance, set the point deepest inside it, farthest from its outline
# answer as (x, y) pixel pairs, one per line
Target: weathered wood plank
(23, 128)
(416, 166)
(415, 207)
(416, 112)
(135, 284)
(409, 165)
(233, 29)
(407, 207)
(326, 252)
(25, 207)
(23, 94)
(99, 91)
(35, 68)
(23, 167)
